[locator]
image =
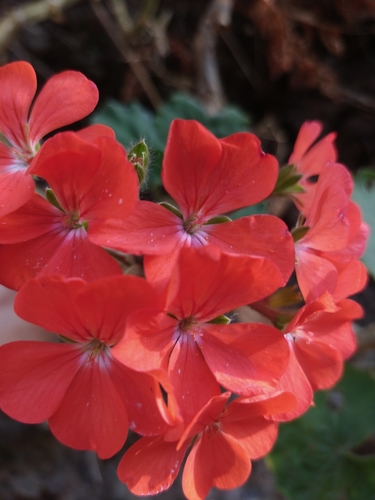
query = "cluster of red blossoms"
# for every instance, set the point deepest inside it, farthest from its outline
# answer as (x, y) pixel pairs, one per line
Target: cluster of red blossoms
(158, 354)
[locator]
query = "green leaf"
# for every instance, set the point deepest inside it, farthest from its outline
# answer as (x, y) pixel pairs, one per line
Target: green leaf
(259, 208)
(226, 122)
(316, 456)
(364, 195)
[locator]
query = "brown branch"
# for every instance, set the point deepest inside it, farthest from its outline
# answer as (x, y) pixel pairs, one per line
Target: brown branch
(210, 90)
(128, 53)
(29, 13)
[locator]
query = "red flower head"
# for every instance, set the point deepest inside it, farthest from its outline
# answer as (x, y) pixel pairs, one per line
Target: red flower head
(88, 397)
(92, 180)
(335, 237)
(320, 337)
(192, 342)
(309, 159)
(206, 177)
(66, 98)
(224, 440)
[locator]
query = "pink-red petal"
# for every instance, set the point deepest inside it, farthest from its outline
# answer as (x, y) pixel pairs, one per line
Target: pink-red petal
(34, 378)
(66, 98)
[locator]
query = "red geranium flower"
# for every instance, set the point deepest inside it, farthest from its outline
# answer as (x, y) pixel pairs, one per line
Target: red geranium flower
(207, 177)
(224, 441)
(309, 159)
(92, 180)
(190, 340)
(66, 98)
(320, 337)
(88, 397)
(334, 231)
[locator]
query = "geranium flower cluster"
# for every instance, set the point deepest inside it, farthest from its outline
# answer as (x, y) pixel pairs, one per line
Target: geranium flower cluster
(159, 354)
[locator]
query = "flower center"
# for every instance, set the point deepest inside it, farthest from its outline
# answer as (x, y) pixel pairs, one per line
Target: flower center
(95, 347)
(72, 220)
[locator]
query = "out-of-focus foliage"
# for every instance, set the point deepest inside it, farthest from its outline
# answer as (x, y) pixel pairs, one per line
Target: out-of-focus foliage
(133, 122)
(329, 453)
(364, 195)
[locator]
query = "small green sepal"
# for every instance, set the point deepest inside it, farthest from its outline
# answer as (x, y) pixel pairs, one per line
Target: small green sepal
(50, 195)
(299, 232)
(287, 182)
(171, 208)
(139, 157)
(219, 219)
(220, 320)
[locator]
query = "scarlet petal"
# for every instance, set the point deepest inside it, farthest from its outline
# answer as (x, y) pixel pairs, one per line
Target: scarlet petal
(96, 310)
(187, 368)
(143, 400)
(61, 251)
(18, 87)
(35, 218)
(246, 358)
(65, 99)
(92, 415)
(151, 465)
(308, 133)
(191, 156)
(256, 435)
(94, 131)
(148, 341)
(34, 378)
(211, 176)
(16, 188)
(93, 179)
(352, 279)
(315, 275)
(322, 364)
(206, 282)
(150, 229)
(257, 235)
(45, 302)
(215, 460)
(295, 381)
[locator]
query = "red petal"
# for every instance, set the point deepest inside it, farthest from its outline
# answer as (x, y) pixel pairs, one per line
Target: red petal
(315, 275)
(35, 218)
(211, 176)
(206, 282)
(16, 188)
(295, 381)
(246, 358)
(65, 99)
(256, 435)
(257, 235)
(308, 133)
(191, 156)
(192, 381)
(34, 377)
(322, 364)
(92, 415)
(142, 398)
(94, 131)
(148, 341)
(18, 87)
(215, 460)
(45, 302)
(352, 279)
(61, 251)
(94, 179)
(151, 465)
(150, 229)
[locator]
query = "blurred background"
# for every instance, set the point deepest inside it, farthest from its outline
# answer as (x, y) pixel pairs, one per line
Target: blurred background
(259, 65)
